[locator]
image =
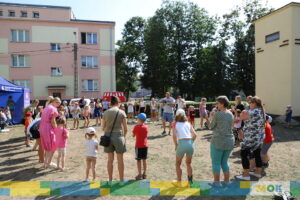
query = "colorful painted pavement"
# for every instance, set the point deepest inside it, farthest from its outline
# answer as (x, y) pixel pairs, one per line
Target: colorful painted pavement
(145, 188)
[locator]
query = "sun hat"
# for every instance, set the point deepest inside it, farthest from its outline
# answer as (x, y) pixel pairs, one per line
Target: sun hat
(141, 116)
(180, 112)
(90, 130)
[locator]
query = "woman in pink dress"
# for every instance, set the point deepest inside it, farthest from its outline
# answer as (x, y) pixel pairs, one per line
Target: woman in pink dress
(47, 126)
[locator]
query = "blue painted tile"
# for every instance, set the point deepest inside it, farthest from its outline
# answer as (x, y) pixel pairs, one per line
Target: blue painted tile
(4, 192)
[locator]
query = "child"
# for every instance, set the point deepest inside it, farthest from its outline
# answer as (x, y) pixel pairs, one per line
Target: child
(92, 108)
(75, 114)
(61, 111)
(140, 131)
(8, 116)
(97, 113)
(288, 115)
(203, 112)
(91, 151)
(2, 119)
(122, 107)
(39, 114)
(65, 105)
(86, 115)
(237, 126)
(268, 141)
(62, 135)
(28, 120)
(192, 114)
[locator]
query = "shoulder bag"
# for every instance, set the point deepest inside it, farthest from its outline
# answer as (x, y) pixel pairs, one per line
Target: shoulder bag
(105, 140)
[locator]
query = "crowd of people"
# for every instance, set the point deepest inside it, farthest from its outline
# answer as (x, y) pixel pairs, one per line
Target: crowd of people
(245, 125)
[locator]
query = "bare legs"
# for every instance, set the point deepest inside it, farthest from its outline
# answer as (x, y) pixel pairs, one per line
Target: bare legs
(90, 164)
(48, 158)
(61, 159)
(110, 166)
(189, 169)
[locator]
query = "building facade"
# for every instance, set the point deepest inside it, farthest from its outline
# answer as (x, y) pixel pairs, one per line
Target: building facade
(277, 43)
(48, 50)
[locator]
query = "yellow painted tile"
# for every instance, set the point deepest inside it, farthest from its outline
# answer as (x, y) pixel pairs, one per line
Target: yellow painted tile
(180, 192)
(20, 184)
(168, 184)
(29, 192)
(104, 191)
(245, 184)
(95, 184)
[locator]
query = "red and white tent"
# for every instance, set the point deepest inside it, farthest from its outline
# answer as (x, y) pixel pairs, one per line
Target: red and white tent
(121, 96)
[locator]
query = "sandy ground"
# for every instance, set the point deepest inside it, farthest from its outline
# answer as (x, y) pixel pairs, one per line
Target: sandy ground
(19, 163)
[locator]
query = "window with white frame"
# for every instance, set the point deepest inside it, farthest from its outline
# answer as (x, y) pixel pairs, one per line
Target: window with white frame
(90, 85)
(88, 38)
(56, 71)
(55, 47)
(23, 13)
(20, 60)
(19, 35)
(23, 83)
(11, 13)
(89, 61)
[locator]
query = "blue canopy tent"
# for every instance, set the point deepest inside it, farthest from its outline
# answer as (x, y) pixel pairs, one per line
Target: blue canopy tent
(20, 95)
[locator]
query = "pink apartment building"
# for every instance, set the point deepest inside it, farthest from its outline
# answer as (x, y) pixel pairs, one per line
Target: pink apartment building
(48, 50)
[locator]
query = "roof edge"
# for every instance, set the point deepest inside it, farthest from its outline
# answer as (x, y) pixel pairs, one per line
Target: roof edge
(93, 21)
(34, 5)
(283, 7)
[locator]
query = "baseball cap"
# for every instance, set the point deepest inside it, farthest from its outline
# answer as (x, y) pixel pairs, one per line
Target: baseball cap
(28, 114)
(65, 102)
(269, 118)
(180, 112)
(90, 130)
(141, 116)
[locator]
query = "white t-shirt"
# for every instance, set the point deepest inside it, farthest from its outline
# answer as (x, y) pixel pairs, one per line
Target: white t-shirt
(91, 147)
(183, 130)
(180, 103)
(142, 104)
(153, 105)
(130, 105)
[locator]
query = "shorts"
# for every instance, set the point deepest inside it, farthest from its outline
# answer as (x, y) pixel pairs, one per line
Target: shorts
(203, 114)
(169, 117)
(141, 153)
(97, 114)
(27, 134)
(185, 147)
(192, 119)
(62, 150)
(130, 110)
(117, 143)
(265, 148)
(75, 116)
(153, 110)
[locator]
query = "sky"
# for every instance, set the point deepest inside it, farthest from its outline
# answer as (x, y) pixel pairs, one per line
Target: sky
(120, 11)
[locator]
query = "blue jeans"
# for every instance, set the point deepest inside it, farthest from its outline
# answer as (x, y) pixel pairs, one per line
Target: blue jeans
(219, 159)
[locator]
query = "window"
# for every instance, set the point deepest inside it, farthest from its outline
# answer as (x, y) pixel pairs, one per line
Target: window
(23, 13)
(20, 60)
(88, 38)
(55, 47)
(272, 37)
(23, 83)
(89, 61)
(36, 15)
(19, 36)
(56, 71)
(11, 13)
(89, 85)
(1, 12)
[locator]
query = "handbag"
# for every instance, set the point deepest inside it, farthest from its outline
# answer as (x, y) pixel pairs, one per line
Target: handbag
(105, 140)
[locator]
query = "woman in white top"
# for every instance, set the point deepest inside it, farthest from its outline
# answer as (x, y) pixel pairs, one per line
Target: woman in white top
(130, 110)
(153, 106)
(142, 106)
(183, 137)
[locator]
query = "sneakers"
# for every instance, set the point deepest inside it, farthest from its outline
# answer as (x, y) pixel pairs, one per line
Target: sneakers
(163, 133)
(144, 176)
(139, 177)
(266, 165)
(254, 174)
(190, 179)
(244, 178)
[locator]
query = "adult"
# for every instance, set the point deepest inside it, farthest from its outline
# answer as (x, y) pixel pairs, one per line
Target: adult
(222, 141)
(130, 109)
(105, 104)
(82, 103)
(248, 100)
(183, 138)
(11, 104)
(180, 103)
(142, 106)
(254, 130)
(115, 125)
(238, 103)
(48, 101)
(46, 129)
(168, 114)
(153, 108)
(32, 108)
